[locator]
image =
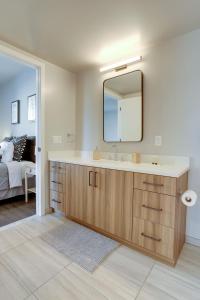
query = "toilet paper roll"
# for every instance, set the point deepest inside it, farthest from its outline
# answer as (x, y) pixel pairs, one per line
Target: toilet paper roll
(189, 198)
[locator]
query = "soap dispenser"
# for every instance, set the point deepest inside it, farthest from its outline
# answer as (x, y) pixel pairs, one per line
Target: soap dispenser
(136, 158)
(96, 154)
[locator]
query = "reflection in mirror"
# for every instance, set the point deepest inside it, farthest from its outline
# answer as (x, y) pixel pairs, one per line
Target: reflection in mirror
(123, 108)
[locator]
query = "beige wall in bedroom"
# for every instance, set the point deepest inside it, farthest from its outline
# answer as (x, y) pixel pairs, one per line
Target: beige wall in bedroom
(171, 108)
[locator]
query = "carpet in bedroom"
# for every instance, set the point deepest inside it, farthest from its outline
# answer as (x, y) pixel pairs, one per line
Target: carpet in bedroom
(15, 209)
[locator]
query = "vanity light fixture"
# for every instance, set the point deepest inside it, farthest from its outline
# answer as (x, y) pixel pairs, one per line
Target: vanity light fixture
(121, 64)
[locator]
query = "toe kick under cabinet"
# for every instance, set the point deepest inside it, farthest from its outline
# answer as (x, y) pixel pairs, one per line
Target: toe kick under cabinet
(140, 210)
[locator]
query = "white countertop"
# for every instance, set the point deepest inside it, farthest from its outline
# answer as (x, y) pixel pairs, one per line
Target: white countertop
(173, 170)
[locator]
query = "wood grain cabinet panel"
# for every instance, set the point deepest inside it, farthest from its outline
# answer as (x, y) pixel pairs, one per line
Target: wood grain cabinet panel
(154, 207)
(57, 201)
(81, 205)
(99, 198)
(103, 198)
(154, 237)
(155, 183)
(87, 201)
(57, 182)
(119, 203)
(57, 167)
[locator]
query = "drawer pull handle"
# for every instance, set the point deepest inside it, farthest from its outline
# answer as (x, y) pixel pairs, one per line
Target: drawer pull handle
(151, 237)
(153, 208)
(56, 182)
(90, 172)
(155, 184)
(95, 176)
(54, 200)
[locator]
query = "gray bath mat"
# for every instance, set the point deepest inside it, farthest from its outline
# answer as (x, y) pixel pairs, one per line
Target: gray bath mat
(82, 245)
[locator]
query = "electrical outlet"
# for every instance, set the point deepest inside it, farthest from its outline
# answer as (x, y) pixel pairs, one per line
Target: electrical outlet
(158, 140)
(57, 139)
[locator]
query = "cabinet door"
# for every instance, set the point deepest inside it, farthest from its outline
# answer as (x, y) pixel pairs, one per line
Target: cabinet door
(67, 189)
(99, 199)
(82, 181)
(119, 203)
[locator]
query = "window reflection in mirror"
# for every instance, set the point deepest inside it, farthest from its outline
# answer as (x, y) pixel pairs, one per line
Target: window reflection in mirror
(123, 108)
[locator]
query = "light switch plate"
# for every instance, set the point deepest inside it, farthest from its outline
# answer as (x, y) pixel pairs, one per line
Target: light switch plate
(57, 139)
(158, 140)
(70, 137)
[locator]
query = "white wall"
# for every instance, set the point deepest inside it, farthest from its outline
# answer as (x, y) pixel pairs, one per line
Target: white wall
(171, 108)
(17, 88)
(60, 98)
(60, 86)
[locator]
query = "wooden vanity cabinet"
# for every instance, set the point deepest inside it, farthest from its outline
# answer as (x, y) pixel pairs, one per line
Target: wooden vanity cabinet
(102, 198)
(119, 203)
(80, 193)
(140, 210)
(59, 182)
(159, 217)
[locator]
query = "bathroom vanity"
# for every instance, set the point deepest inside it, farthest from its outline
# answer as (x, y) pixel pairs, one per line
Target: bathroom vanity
(136, 204)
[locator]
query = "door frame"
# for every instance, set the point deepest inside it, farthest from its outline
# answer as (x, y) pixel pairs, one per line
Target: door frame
(41, 158)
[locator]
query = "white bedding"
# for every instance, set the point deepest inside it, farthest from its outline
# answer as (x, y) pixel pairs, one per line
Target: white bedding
(16, 172)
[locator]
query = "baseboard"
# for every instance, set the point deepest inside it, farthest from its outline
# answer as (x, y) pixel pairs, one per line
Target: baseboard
(193, 241)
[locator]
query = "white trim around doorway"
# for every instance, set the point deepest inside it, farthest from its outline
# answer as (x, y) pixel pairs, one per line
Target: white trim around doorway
(40, 123)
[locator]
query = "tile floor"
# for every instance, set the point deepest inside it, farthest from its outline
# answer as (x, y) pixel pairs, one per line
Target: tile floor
(30, 269)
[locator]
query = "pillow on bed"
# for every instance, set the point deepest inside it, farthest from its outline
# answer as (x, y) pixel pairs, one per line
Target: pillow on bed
(19, 147)
(1, 153)
(8, 139)
(6, 149)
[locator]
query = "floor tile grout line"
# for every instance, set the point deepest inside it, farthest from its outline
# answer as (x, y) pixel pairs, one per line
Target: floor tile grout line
(146, 277)
(149, 274)
(14, 275)
(16, 246)
(63, 268)
(98, 291)
(175, 276)
(11, 248)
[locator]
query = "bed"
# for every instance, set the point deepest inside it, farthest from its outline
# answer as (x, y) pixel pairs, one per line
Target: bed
(28, 160)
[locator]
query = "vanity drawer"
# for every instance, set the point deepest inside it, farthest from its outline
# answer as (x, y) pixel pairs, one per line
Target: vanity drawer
(153, 237)
(57, 182)
(154, 207)
(155, 183)
(57, 167)
(57, 200)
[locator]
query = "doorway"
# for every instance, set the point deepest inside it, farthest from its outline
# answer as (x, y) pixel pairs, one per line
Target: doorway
(29, 61)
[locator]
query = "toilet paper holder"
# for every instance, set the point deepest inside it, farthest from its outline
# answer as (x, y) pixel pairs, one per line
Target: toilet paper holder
(188, 199)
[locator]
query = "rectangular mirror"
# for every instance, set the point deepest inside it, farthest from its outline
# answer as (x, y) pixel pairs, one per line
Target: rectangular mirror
(123, 101)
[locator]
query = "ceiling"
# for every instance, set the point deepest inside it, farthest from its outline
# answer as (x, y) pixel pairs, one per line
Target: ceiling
(9, 68)
(77, 34)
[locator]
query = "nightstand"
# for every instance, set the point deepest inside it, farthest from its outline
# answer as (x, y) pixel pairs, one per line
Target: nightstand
(29, 172)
